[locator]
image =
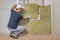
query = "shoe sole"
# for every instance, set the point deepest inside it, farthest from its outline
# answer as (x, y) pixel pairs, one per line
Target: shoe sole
(13, 37)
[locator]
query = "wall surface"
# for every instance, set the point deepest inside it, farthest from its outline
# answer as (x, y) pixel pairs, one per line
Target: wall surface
(56, 18)
(4, 14)
(42, 26)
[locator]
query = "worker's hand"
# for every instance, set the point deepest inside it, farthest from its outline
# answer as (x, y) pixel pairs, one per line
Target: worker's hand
(24, 19)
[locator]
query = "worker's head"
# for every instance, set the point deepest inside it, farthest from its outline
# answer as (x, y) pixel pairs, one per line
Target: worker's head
(19, 8)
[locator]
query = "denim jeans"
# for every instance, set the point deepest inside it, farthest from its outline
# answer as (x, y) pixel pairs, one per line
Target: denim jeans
(18, 30)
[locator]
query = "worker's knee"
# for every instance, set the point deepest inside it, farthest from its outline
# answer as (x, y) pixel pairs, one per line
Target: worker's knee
(22, 28)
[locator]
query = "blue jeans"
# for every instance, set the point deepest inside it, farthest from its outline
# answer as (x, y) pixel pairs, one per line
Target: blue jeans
(18, 30)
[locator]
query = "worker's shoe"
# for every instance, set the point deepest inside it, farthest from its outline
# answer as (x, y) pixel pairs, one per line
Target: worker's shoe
(13, 35)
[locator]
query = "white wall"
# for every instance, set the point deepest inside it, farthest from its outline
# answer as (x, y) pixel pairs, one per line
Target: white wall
(56, 18)
(4, 14)
(47, 2)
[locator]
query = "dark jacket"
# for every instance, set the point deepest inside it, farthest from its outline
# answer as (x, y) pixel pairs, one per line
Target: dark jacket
(14, 19)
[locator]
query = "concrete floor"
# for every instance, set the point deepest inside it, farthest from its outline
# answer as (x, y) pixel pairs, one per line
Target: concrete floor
(28, 37)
